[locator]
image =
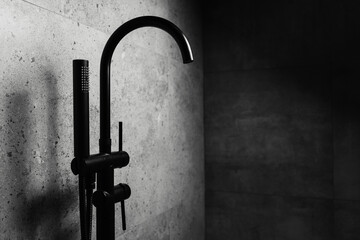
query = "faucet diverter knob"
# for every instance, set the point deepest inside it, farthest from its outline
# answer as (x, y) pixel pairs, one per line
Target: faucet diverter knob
(101, 198)
(122, 192)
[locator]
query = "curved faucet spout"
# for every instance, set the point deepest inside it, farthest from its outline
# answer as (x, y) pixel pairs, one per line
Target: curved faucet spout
(115, 38)
(147, 21)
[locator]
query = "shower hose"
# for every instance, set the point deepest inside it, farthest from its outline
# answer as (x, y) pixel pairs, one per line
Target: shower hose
(85, 195)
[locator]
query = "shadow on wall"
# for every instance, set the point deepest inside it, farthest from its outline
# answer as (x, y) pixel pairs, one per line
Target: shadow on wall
(38, 204)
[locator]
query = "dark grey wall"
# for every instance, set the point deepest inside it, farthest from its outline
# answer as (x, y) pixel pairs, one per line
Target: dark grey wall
(282, 129)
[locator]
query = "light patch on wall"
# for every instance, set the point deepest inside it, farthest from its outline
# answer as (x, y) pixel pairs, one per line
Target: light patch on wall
(38, 158)
(123, 55)
(159, 118)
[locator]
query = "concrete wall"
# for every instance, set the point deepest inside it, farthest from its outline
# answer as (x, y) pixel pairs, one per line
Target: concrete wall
(158, 99)
(281, 120)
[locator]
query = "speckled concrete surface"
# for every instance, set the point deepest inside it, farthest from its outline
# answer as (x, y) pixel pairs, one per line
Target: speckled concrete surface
(158, 99)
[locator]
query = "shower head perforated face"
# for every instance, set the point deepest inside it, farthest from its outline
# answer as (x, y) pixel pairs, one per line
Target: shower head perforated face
(85, 78)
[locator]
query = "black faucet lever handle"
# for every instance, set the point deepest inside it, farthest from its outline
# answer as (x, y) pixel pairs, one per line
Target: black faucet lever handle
(122, 202)
(123, 219)
(120, 136)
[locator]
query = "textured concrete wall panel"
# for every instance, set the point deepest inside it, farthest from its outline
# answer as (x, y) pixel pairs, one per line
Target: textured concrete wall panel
(158, 99)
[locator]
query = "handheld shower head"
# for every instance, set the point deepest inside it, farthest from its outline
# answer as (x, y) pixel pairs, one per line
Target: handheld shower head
(82, 142)
(81, 107)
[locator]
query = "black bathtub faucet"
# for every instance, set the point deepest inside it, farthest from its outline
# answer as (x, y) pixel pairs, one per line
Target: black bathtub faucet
(102, 165)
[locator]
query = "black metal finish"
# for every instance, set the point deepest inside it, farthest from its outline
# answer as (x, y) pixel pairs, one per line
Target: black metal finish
(121, 192)
(101, 161)
(103, 164)
(98, 162)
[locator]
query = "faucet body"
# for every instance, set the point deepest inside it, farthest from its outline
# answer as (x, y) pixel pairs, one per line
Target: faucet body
(103, 164)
